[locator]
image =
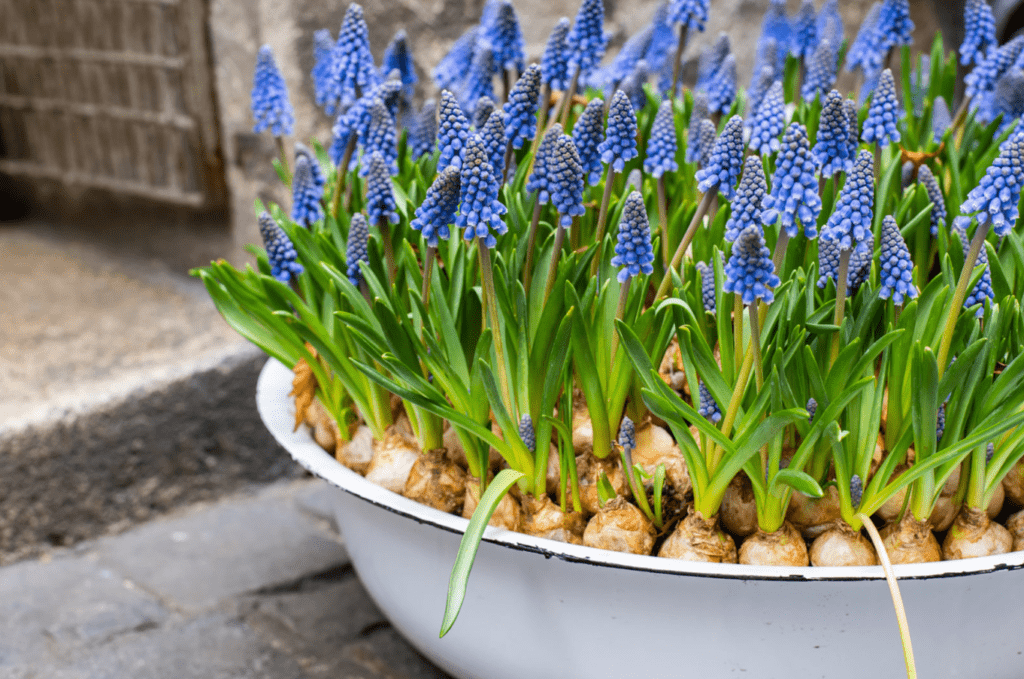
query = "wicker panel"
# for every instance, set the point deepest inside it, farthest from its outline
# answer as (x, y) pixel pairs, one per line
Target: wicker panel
(111, 94)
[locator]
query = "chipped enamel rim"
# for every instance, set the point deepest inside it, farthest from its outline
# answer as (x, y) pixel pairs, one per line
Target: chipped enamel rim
(277, 411)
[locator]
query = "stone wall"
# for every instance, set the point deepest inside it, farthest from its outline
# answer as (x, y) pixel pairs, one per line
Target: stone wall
(239, 27)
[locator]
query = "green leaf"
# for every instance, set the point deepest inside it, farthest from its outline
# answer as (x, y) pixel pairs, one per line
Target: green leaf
(459, 580)
(797, 480)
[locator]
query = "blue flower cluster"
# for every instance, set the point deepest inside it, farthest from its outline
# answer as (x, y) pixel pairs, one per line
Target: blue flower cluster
(775, 26)
(705, 141)
(323, 47)
(356, 247)
(633, 251)
(539, 179)
(804, 32)
(380, 197)
(452, 131)
(979, 32)
(746, 207)
(619, 143)
(585, 40)
(453, 67)
(853, 138)
(769, 121)
(521, 108)
(481, 112)
(711, 59)
(306, 194)
(280, 251)
(398, 57)
(722, 87)
(493, 136)
(706, 404)
(821, 74)
(794, 186)
(894, 24)
(697, 114)
(527, 433)
(750, 272)
(479, 79)
(982, 79)
(883, 113)
(896, 266)
(380, 138)
(690, 13)
(587, 135)
(319, 180)
(438, 208)
(761, 81)
(554, 64)
(722, 169)
(707, 286)
(865, 52)
(830, 24)
(832, 150)
(480, 211)
(422, 128)
(353, 72)
(270, 105)
(506, 38)
(850, 222)
(662, 147)
(983, 290)
(931, 186)
(1008, 98)
(627, 434)
(565, 180)
(997, 195)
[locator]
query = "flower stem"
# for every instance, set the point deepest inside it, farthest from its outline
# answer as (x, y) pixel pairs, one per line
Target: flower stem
(389, 253)
(677, 258)
(844, 269)
(542, 116)
(567, 98)
(342, 172)
(428, 267)
(755, 344)
(284, 161)
(677, 63)
(737, 328)
(487, 276)
(602, 219)
(779, 256)
(961, 291)
(894, 591)
(508, 159)
(663, 219)
(553, 269)
(530, 240)
(620, 311)
(733, 410)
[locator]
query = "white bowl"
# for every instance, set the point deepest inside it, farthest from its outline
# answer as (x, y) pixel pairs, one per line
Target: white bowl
(538, 608)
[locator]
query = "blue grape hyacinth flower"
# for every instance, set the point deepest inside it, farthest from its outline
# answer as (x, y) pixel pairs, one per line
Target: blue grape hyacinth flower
(804, 32)
(627, 434)
(506, 38)
(707, 286)
(894, 24)
(380, 196)
(711, 59)
(452, 131)
(821, 73)
(270, 105)
(633, 250)
(527, 433)
(554, 64)
(280, 251)
(931, 186)
(619, 145)
(520, 111)
(775, 26)
(857, 271)
(306, 194)
(769, 121)
(983, 289)
(865, 51)
(585, 40)
(979, 32)
(1008, 98)
(539, 179)
(760, 83)
(481, 112)
(722, 170)
(706, 141)
(633, 85)
(479, 80)
(750, 272)
(319, 180)
(398, 57)
(587, 135)
(479, 210)
(832, 150)
(940, 421)
(706, 405)
(422, 128)
(356, 248)
(692, 14)
(662, 147)
(697, 114)
(883, 113)
(746, 207)
(811, 408)
(829, 24)
(323, 48)
(860, 265)
(452, 68)
(794, 192)
(380, 138)
(438, 208)
(997, 195)
(850, 222)
(852, 119)
(895, 264)
(565, 180)
(353, 72)
(722, 87)
(493, 136)
(983, 77)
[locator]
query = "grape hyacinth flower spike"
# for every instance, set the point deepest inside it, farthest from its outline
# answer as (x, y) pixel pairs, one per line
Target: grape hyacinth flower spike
(769, 121)
(481, 112)
(306, 194)
(746, 207)
(280, 251)
(794, 193)
(760, 82)
(587, 134)
(821, 73)
(883, 113)
(750, 274)
(983, 289)
(356, 248)
(931, 186)
(661, 158)
(894, 24)
(897, 268)
(380, 205)
(353, 72)
(478, 81)
(979, 32)
(323, 46)
(706, 141)
(538, 182)
(452, 131)
(585, 44)
(398, 57)
(707, 286)
(775, 26)
(527, 433)
(690, 15)
(422, 129)
(303, 151)
(270, 105)
(707, 405)
(433, 217)
(627, 435)
(380, 138)
(830, 24)
(711, 59)
(565, 186)
(697, 114)
(722, 87)
(853, 122)
(520, 110)
(506, 38)
(832, 149)
(554, 73)
(805, 33)
(493, 136)
(452, 68)
(633, 250)
(994, 200)
(618, 147)
(479, 210)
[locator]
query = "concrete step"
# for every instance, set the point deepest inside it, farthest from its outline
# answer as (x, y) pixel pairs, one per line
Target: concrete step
(124, 393)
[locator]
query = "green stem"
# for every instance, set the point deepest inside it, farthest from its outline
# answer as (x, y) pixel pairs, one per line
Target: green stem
(620, 311)
(567, 98)
(844, 269)
(553, 269)
(284, 161)
(602, 219)
(508, 160)
(677, 63)
(389, 252)
(530, 241)
(487, 275)
(737, 328)
(733, 410)
(894, 591)
(428, 267)
(342, 174)
(542, 116)
(779, 256)
(956, 306)
(755, 343)
(677, 258)
(663, 219)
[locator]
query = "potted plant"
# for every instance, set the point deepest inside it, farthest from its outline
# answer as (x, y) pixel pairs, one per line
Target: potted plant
(658, 375)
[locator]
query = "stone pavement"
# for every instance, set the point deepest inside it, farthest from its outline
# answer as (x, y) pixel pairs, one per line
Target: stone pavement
(257, 585)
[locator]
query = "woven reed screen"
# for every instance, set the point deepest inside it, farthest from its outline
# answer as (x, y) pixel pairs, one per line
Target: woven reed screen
(110, 94)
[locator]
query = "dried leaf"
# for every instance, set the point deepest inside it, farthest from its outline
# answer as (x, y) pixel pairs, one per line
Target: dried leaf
(303, 388)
